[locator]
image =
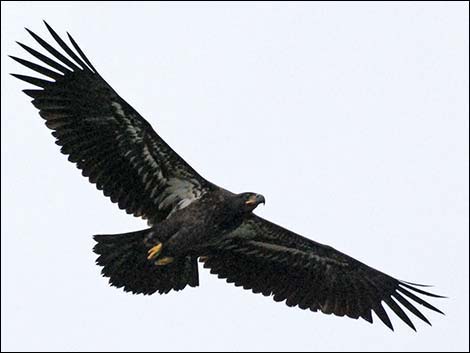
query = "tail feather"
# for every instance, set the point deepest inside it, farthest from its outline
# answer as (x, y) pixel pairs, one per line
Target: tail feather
(124, 261)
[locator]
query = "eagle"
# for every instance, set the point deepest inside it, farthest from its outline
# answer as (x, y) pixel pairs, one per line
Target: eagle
(191, 220)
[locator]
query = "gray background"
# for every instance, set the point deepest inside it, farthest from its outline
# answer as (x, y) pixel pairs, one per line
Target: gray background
(352, 120)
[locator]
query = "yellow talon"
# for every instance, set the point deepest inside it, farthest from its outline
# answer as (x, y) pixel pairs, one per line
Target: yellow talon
(164, 261)
(154, 251)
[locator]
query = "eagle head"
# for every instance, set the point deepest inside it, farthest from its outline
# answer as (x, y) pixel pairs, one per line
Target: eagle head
(248, 201)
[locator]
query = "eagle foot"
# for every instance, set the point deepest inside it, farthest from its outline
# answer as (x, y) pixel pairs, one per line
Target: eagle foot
(164, 261)
(154, 251)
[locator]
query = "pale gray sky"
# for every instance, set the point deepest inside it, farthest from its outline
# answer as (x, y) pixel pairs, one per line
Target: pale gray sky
(360, 113)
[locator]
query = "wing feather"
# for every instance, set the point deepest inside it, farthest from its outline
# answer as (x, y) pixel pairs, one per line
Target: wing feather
(269, 259)
(108, 140)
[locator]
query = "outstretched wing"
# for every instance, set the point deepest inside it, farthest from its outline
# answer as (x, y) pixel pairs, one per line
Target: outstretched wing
(107, 139)
(271, 260)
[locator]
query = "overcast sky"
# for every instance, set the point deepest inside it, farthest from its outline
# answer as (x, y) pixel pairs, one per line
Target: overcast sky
(352, 120)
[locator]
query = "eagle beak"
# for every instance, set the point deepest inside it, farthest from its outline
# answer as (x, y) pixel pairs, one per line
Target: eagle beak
(255, 200)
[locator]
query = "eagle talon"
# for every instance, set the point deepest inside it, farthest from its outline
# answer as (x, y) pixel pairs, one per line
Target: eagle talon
(164, 261)
(154, 251)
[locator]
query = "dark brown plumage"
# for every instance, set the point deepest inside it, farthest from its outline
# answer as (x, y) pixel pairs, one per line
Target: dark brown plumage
(189, 217)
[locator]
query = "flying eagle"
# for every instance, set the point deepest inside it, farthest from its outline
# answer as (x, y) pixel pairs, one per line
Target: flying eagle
(191, 218)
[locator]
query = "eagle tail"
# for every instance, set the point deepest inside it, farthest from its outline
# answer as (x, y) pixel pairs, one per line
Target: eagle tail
(124, 261)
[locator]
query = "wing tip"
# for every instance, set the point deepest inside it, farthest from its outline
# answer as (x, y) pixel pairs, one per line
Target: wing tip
(30, 31)
(413, 286)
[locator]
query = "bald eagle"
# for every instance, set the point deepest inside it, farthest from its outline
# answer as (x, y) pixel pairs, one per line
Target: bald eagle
(189, 217)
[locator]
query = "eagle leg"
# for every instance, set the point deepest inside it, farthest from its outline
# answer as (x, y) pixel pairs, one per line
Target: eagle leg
(154, 251)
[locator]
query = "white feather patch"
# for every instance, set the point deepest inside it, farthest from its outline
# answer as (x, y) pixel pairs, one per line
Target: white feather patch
(118, 109)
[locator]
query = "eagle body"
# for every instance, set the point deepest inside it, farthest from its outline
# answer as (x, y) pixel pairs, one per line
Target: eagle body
(189, 217)
(194, 230)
